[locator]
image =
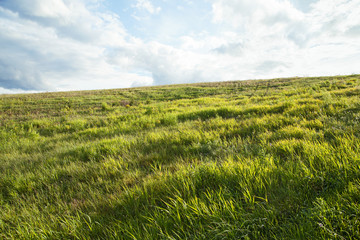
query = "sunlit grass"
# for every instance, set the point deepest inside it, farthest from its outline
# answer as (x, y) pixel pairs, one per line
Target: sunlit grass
(276, 159)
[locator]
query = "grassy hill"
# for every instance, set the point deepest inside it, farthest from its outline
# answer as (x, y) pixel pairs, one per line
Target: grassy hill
(275, 159)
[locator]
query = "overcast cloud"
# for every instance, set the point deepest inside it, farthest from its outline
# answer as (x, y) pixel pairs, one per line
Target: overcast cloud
(52, 45)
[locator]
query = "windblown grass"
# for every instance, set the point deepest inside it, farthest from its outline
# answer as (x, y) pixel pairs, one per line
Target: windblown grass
(274, 159)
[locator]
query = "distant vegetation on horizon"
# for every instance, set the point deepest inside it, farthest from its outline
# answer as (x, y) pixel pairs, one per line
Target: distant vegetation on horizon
(264, 159)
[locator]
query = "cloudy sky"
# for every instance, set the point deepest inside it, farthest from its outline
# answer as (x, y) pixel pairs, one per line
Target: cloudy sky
(56, 45)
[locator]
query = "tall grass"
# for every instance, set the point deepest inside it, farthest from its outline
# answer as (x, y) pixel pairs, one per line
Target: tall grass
(274, 159)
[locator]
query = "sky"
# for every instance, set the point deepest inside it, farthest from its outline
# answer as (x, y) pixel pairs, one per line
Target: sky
(62, 45)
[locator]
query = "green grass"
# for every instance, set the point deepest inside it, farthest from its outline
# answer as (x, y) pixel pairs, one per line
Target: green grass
(274, 159)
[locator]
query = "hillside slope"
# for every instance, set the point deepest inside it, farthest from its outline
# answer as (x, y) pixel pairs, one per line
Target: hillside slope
(274, 159)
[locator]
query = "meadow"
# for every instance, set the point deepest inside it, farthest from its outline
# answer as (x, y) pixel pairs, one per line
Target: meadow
(261, 159)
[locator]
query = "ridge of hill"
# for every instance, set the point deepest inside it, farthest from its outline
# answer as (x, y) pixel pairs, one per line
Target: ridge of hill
(266, 159)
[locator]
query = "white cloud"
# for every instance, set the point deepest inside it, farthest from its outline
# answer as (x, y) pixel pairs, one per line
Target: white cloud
(247, 13)
(71, 44)
(277, 38)
(335, 17)
(147, 6)
(60, 49)
(68, 18)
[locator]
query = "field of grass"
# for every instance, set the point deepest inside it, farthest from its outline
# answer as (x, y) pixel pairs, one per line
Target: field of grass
(274, 159)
